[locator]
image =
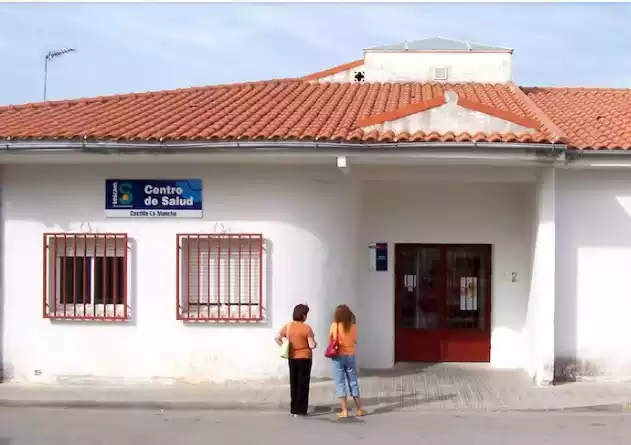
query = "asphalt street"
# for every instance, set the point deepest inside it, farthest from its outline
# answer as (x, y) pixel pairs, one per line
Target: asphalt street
(40, 426)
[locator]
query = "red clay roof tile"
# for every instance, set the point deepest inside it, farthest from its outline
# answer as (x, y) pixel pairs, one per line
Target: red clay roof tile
(281, 109)
(524, 101)
(297, 109)
(591, 118)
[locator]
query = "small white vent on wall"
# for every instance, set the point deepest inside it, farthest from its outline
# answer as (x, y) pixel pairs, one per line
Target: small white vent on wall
(441, 73)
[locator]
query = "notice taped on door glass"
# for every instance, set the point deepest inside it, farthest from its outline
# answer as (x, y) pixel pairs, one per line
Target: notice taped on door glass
(468, 293)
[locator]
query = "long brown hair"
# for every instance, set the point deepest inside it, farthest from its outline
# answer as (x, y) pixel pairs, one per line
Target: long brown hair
(344, 315)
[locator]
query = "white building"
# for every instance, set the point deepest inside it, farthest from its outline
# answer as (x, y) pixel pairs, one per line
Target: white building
(505, 213)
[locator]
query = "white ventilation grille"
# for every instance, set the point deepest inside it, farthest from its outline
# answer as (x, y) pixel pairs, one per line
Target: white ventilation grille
(441, 73)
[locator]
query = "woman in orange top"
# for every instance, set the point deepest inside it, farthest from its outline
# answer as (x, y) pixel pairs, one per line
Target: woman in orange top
(344, 330)
(301, 343)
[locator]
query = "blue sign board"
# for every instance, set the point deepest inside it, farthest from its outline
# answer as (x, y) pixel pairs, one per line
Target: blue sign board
(146, 198)
(381, 251)
(378, 257)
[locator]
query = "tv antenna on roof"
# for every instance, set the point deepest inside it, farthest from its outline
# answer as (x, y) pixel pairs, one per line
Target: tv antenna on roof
(50, 56)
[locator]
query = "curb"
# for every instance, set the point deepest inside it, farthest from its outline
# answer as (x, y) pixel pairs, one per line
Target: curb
(144, 405)
(224, 406)
(283, 408)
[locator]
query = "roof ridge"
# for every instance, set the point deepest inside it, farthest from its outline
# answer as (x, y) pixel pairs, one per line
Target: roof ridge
(483, 44)
(333, 70)
(121, 96)
(539, 114)
(461, 41)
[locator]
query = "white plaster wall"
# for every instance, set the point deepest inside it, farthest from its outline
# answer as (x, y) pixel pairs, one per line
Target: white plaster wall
(449, 117)
(417, 211)
(539, 331)
(592, 329)
(342, 77)
(418, 66)
(308, 219)
(2, 262)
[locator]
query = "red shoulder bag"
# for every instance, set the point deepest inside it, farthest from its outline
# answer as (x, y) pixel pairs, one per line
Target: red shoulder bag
(333, 347)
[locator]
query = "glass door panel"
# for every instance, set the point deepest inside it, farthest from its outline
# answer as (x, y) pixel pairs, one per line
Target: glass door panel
(420, 288)
(466, 274)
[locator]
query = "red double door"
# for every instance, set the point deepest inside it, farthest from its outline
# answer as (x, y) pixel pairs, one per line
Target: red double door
(442, 303)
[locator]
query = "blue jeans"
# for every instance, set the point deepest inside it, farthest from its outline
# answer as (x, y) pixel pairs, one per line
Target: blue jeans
(345, 371)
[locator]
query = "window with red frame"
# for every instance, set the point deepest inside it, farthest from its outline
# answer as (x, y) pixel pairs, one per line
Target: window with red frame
(85, 276)
(220, 277)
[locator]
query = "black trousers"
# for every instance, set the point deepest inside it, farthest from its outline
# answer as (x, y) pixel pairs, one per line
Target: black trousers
(299, 379)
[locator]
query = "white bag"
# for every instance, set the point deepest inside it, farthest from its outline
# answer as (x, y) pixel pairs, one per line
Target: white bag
(285, 346)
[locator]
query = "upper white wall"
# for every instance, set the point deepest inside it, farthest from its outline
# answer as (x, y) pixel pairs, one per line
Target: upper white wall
(308, 220)
(419, 66)
(410, 66)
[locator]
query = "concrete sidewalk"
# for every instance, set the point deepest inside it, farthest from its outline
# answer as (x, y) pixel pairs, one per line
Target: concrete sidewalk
(435, 388)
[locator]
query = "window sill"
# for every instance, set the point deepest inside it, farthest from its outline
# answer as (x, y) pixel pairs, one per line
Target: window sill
(213, 314)
(89, 312)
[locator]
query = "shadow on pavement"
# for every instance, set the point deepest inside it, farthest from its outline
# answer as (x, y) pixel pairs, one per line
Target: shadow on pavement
(400, 370)
(384, 405)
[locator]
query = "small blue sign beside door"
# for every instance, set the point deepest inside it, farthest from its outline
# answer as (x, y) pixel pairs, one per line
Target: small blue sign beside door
(378, 256)
(381, 250)
(146, 198)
